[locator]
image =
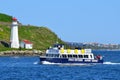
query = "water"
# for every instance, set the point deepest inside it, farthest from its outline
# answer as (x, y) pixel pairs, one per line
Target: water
(28, 68)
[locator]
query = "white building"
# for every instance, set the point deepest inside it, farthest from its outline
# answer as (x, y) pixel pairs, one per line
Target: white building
(26, 44)
(14, 40)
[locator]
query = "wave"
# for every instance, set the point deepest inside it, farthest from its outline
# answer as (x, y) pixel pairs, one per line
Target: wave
(16, 57)
(111, 63)
(36, 62)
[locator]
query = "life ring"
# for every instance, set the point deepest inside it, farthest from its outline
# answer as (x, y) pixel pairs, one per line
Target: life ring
(82, 51)
(76, 51)
(68, 50)
(62, 51)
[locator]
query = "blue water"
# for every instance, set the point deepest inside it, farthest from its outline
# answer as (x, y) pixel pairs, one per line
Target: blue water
(28, 68)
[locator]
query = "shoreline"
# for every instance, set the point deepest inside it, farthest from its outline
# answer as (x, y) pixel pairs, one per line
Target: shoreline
(21, 53)
(37, 52)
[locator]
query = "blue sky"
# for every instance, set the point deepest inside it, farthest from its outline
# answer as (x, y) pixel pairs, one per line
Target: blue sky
(71, 20)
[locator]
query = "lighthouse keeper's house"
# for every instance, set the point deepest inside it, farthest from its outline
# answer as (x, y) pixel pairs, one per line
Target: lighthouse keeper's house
(26, 44)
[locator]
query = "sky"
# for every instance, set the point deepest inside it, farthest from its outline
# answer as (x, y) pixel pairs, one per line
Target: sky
(72, 20)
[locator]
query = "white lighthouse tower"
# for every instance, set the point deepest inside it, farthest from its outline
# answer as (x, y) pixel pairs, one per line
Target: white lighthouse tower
(14, 40)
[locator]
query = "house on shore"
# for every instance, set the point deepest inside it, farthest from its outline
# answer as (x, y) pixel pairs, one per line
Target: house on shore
(26, 44)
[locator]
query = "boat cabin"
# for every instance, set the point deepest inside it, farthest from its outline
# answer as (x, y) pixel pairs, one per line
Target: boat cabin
(82, 54)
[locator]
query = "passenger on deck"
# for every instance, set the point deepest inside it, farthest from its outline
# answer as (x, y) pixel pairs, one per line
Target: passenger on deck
(99, 57)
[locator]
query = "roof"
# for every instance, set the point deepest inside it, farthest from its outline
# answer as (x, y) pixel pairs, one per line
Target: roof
(27, 42)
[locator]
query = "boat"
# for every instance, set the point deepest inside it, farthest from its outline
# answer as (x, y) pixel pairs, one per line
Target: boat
(58, 55)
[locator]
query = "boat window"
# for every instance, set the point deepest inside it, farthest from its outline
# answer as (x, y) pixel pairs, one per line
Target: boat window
(74, 56)
(64, 56)
(56, 55)
(91, 56)
(85, 56)
(47, 55)
(51, 55)
(80, 56)
(69, 56)
(60, 56)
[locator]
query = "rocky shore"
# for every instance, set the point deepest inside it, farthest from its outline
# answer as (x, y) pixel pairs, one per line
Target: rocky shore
(21, 53)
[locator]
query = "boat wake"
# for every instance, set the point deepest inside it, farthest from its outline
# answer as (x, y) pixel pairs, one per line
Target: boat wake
(46, 62)
(65, 64)
(111, 63)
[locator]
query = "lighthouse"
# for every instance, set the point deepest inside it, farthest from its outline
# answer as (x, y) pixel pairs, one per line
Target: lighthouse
(14, 40)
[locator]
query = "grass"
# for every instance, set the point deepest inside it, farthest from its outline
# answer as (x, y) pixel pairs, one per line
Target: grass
(5, 18)
(41, 37)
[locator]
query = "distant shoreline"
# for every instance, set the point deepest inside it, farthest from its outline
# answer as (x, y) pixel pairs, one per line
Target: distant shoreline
(106, 49)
